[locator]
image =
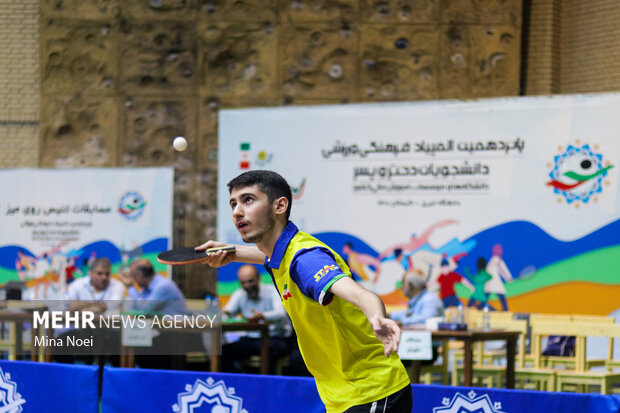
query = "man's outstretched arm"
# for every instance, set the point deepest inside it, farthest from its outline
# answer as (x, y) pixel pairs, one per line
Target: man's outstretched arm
(371, 305)
(244, 253)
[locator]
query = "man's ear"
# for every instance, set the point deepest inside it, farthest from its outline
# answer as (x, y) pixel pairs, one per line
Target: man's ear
(280, 205)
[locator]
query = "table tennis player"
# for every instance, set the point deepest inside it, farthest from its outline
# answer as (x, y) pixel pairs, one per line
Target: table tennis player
(348, 343)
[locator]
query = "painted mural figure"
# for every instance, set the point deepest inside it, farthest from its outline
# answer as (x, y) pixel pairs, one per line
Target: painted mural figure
(499, 274)
(359, 263)
(479, 297)
(446, 280)
(24, 264)
(416, 242)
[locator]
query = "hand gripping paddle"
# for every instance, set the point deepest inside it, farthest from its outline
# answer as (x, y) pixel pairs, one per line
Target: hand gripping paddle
(182, 256)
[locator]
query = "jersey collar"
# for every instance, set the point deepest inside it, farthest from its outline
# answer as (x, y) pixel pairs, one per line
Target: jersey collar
(281, 244)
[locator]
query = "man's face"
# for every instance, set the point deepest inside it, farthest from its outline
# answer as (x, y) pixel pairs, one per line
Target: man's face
(249, 281)
(252, 213)
(100, 277)
(142, 280)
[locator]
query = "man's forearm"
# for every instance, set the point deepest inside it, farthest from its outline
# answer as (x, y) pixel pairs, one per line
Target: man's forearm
(248, 254)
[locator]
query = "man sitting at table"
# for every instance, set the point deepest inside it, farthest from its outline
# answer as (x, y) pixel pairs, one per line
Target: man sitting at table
(423, 304)
(100, 294)
(156, 295)
(257, 303)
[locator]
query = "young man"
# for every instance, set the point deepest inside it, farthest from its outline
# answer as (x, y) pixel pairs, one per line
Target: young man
(346, 340)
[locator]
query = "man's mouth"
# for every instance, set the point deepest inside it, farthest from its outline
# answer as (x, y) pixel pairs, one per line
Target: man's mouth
(241, 225)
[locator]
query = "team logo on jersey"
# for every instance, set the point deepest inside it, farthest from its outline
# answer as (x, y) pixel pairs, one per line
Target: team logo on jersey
(286, 294)
(209, 393)
(10, 400)
(470, 403)
(321, 273)
(577, 173)
(131, 206)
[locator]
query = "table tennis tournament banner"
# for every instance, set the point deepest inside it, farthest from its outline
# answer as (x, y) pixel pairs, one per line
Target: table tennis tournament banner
(55, 222)
(526, 187)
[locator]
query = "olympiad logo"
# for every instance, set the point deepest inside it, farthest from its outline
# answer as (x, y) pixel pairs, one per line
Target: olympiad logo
(298, 191)
(210, 393)
(577, 173)
(10, 400)
(472, 403)
(131, 206)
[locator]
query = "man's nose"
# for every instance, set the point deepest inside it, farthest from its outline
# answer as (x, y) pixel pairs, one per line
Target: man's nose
(237, 211)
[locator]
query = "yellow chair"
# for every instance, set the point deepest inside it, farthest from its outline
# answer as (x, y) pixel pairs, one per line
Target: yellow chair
(582, 377)
(567, 362)
(531, 373)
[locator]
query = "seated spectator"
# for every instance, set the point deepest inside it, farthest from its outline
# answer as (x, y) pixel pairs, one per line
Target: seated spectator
(256, 302)
(423, 304)
(158, 295)
(100, 294)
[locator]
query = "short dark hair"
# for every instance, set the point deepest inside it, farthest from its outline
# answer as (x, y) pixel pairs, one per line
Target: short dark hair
(270, 183)
(145, 268)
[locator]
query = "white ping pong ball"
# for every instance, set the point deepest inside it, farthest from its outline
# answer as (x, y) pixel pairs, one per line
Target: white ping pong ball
(179, 143)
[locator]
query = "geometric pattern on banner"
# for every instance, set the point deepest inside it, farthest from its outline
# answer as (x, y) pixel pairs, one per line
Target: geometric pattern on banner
(211, 393)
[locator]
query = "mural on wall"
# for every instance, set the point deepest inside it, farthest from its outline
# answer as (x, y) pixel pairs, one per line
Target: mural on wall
(510, 203)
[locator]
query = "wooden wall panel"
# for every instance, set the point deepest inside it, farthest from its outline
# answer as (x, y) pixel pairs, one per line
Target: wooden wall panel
(238, 59)
(319, 61)
(320, 11)
(400, 11)
(150, 125)
(482, 11)
(399, 62)
(156, 10)
(240, 11)
(79, 55)
(81, 9)
(78, 131)
(158, 57)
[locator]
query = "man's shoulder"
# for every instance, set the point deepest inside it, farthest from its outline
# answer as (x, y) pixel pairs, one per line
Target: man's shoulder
(79, 283)
(114, 283)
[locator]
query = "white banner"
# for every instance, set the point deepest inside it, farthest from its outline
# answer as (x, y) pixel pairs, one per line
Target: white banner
(402, 186)
(55, 221)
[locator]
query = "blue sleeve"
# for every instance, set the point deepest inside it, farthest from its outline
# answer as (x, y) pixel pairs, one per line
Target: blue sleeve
(314, 270)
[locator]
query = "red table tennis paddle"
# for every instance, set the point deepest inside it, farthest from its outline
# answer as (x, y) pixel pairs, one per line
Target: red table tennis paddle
(181, 256)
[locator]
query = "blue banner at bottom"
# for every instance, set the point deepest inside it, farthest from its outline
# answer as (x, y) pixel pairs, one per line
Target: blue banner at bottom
(154, 391)
(446, 399)
(48, 387)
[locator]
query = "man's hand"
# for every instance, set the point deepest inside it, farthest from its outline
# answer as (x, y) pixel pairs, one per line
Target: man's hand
(256, 317)
(125, 277)
(215, 259)
(388, 332)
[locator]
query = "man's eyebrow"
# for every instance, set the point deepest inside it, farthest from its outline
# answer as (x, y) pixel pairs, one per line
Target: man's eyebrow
(243, 195)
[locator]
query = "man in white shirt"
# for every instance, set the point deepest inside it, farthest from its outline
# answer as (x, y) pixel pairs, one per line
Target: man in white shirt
(256, 302)
(97, 292)
(100, 294)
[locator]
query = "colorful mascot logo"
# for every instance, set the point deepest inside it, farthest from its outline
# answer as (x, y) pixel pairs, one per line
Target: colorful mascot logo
(131, 206)
(578, 173)
(10, 400)
(209, 393)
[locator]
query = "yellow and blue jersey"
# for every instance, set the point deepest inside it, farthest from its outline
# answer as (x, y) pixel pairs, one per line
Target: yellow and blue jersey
(335, 338)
